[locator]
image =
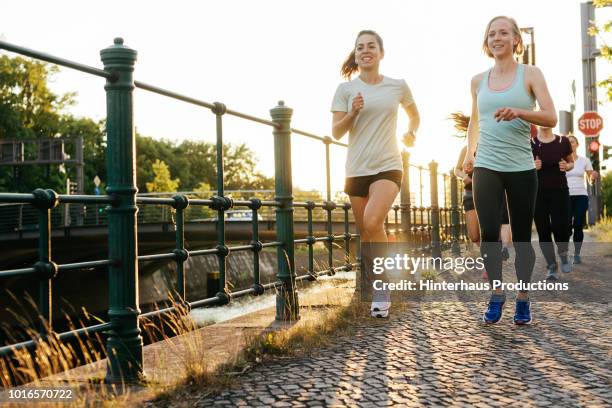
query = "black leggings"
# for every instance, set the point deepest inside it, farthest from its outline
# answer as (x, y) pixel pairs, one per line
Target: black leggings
(552, 218)
(520, 188)
(578, 208)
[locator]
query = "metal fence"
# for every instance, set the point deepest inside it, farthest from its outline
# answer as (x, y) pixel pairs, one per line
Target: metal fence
(426, 222)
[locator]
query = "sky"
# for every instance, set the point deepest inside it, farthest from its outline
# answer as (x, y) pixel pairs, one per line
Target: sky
(251, 54)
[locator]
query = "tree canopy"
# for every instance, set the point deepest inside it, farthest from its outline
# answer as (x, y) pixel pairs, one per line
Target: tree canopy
(30, 110)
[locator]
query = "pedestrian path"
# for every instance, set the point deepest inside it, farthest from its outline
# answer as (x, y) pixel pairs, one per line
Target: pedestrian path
(440, 354)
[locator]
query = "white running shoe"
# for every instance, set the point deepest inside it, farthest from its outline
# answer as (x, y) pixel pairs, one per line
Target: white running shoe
(380, 309)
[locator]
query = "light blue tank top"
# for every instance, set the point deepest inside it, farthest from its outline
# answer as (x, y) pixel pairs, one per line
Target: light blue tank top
(506, 145)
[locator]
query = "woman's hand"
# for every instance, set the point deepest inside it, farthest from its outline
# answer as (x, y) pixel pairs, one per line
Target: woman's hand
(594, 176)
(563, 166)
(409, 138)
(538, 163)
(468, 163)
(467, 180)
(506, 114)
(357, 105)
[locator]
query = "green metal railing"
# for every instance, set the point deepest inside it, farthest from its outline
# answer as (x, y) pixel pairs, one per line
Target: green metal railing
(433, 226)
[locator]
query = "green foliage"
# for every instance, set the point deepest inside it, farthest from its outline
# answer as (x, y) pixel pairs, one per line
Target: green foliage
(162, 182)
(30, 110)
(196, 164)
(606, 52)
(606, 192)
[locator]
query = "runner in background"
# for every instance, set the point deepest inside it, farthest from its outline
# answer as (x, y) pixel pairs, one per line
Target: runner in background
(471, 219)
(553, 157)
(579, 197)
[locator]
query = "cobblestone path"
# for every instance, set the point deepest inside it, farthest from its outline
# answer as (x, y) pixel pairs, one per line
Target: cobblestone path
(440, 354)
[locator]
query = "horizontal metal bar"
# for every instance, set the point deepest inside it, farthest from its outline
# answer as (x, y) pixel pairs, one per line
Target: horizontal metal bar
(17, 272)
(84, 265)
(157, 312)
(243, 292)
(55, 60)
(241, 248)
(300, 241)
(62, 336)
(86, 199)
(197, 102)
(17, 346)
(245, 203)
(155, 200)
(204, 302)
(199, 201)
(251, 118)
(86, 330)
(198, 252)
(16, 198)
(313, 136)
(272, 244)
(174, 95)
(272, 285)
(156, 257)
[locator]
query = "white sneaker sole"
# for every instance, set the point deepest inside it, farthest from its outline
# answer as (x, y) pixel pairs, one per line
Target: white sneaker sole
(381, 314)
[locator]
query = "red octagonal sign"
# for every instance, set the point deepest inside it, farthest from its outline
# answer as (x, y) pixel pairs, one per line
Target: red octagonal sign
(590, 124)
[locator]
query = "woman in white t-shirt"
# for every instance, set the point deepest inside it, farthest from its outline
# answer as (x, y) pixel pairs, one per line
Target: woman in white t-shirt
(366, 107)
(579, 198)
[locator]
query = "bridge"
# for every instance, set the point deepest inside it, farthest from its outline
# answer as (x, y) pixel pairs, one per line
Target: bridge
(431, 225)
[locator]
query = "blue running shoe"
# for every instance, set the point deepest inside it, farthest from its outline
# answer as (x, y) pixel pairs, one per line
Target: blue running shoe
(494, 310)
(522, 313)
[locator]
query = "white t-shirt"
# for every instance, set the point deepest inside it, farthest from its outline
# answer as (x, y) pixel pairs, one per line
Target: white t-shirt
(575, 177)
(372, 143)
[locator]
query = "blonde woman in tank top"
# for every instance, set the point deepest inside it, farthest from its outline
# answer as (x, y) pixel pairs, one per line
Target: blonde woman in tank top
(366, 108)
(503, 107)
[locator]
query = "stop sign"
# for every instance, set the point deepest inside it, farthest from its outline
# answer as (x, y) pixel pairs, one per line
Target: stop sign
(590, 124)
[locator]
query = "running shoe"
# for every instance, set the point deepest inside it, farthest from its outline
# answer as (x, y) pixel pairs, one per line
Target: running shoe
(380, 309)
(505, 254)
(577, 260)
(566, 266)
(494, 310)
(552, 272)
(522, 312)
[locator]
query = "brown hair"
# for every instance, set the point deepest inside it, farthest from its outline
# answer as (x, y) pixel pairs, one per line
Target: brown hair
(518, 48)
(575, 139)
(349, 67)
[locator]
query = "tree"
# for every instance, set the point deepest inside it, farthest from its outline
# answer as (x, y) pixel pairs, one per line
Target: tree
(30, 110)
(162, 181)
(606, 192)
(606, 51)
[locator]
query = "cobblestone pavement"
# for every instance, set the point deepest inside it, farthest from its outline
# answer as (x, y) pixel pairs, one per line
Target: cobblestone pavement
(440, 354)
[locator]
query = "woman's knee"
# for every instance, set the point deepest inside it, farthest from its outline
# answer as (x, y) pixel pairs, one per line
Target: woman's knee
(373, 225)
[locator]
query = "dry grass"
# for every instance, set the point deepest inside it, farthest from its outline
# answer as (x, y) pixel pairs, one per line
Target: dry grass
(184, 365)
(301, 339)
(602, 231)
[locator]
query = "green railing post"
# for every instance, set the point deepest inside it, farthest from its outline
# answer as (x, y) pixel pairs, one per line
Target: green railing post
(347, 235)
(435, 211)
(124, 343)
(287, 303)
(221, 204)
(45, 200)
(455, 247)
(257, 245)
(181, 202)
(405, 197)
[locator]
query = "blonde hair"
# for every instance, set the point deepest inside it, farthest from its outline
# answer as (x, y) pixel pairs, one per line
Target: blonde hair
(518, 49)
